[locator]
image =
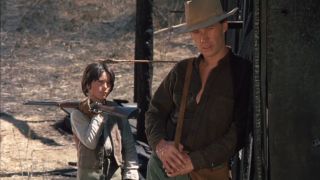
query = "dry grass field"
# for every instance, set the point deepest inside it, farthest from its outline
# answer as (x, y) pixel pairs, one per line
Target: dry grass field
(45, 45)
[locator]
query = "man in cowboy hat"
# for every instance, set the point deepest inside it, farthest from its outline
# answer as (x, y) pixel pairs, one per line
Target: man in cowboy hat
(216, 109)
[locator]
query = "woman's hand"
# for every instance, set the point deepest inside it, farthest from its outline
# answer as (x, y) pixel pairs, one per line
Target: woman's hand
(86, 108)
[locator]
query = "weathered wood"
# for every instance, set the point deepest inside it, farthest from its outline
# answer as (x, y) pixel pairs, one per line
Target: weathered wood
(293, 91)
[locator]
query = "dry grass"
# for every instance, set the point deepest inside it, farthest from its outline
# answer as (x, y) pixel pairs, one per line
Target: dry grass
(45, 45)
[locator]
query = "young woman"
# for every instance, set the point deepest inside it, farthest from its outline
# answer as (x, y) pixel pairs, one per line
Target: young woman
(105, 145)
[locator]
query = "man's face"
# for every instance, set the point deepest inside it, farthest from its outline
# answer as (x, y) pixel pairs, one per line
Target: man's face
(210, 40)
(100, 89)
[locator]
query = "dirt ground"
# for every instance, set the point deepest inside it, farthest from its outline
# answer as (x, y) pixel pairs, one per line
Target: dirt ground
(45, 45)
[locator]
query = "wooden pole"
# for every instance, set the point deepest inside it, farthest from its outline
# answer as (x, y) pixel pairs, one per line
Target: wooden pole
(143, 71)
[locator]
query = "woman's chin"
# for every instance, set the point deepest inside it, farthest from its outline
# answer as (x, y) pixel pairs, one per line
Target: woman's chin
(104, 96)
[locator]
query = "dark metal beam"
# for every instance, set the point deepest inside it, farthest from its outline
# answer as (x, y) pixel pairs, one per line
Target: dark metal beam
(143, 71)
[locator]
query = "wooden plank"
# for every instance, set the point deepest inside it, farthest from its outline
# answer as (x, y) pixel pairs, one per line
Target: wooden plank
(293, 42)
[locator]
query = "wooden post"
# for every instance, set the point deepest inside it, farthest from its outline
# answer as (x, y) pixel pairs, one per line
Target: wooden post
(143, 71)
(289, 50)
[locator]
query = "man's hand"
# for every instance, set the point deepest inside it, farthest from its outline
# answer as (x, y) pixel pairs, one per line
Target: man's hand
(187, 168)
(172, 159)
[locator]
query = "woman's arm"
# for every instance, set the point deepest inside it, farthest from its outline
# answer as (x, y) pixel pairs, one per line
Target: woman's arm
(87, 131)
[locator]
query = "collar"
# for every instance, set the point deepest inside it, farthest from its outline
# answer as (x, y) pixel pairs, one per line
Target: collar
(221, 62)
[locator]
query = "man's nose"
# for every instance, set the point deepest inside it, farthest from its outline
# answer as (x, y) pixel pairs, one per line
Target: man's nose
(203, 36)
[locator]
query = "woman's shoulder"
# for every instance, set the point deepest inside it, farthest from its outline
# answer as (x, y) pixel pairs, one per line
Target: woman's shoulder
(75, 113)
(78, 116)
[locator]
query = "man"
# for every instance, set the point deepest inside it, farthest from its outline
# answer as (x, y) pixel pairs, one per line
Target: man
(217, 103)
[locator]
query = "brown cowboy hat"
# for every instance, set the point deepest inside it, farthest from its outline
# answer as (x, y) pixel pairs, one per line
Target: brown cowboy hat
(202, 13)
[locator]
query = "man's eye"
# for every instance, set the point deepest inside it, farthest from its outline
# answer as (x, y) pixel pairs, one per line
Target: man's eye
(195, 31)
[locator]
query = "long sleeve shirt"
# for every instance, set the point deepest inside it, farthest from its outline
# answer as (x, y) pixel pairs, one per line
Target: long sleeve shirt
(213, 129)
(89, 133)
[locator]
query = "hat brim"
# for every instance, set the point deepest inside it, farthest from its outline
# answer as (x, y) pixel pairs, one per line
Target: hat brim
(184, 28)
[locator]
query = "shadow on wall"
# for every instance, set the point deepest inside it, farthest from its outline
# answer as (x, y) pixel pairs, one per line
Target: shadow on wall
(25, 129)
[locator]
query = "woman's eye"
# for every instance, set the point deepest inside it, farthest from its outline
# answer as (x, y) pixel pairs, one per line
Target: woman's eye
(104, 82)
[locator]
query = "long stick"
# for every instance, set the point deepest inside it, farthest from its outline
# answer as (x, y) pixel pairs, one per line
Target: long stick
(134, 61)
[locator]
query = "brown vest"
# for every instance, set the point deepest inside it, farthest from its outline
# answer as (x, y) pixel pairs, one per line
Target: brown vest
(92, 160)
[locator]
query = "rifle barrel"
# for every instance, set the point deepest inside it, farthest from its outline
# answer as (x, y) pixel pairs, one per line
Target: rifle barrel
(42, 103)
(115, 110)
(63, 104)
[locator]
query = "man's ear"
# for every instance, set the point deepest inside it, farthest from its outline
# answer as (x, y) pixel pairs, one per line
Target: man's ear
(225, 26)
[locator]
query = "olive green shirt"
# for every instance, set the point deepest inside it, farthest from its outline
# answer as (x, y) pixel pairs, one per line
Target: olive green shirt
(213, 130)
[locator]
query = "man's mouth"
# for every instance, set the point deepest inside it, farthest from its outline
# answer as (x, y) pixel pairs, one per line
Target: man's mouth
(206, 47)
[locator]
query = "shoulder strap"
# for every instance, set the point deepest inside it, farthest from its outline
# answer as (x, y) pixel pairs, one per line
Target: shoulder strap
(183, 104)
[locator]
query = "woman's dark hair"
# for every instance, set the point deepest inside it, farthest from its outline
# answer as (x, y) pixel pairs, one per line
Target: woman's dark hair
(93, 72)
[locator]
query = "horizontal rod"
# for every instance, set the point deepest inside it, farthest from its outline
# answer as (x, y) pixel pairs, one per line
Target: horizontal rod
(135, 61)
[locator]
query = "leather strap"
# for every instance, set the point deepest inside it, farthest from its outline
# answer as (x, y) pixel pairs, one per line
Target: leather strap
(183, 103)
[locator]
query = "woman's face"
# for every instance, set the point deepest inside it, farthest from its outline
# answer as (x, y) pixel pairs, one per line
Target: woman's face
(100, 89)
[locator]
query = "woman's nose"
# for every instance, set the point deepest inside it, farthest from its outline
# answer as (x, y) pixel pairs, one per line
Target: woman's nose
(105, 85)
